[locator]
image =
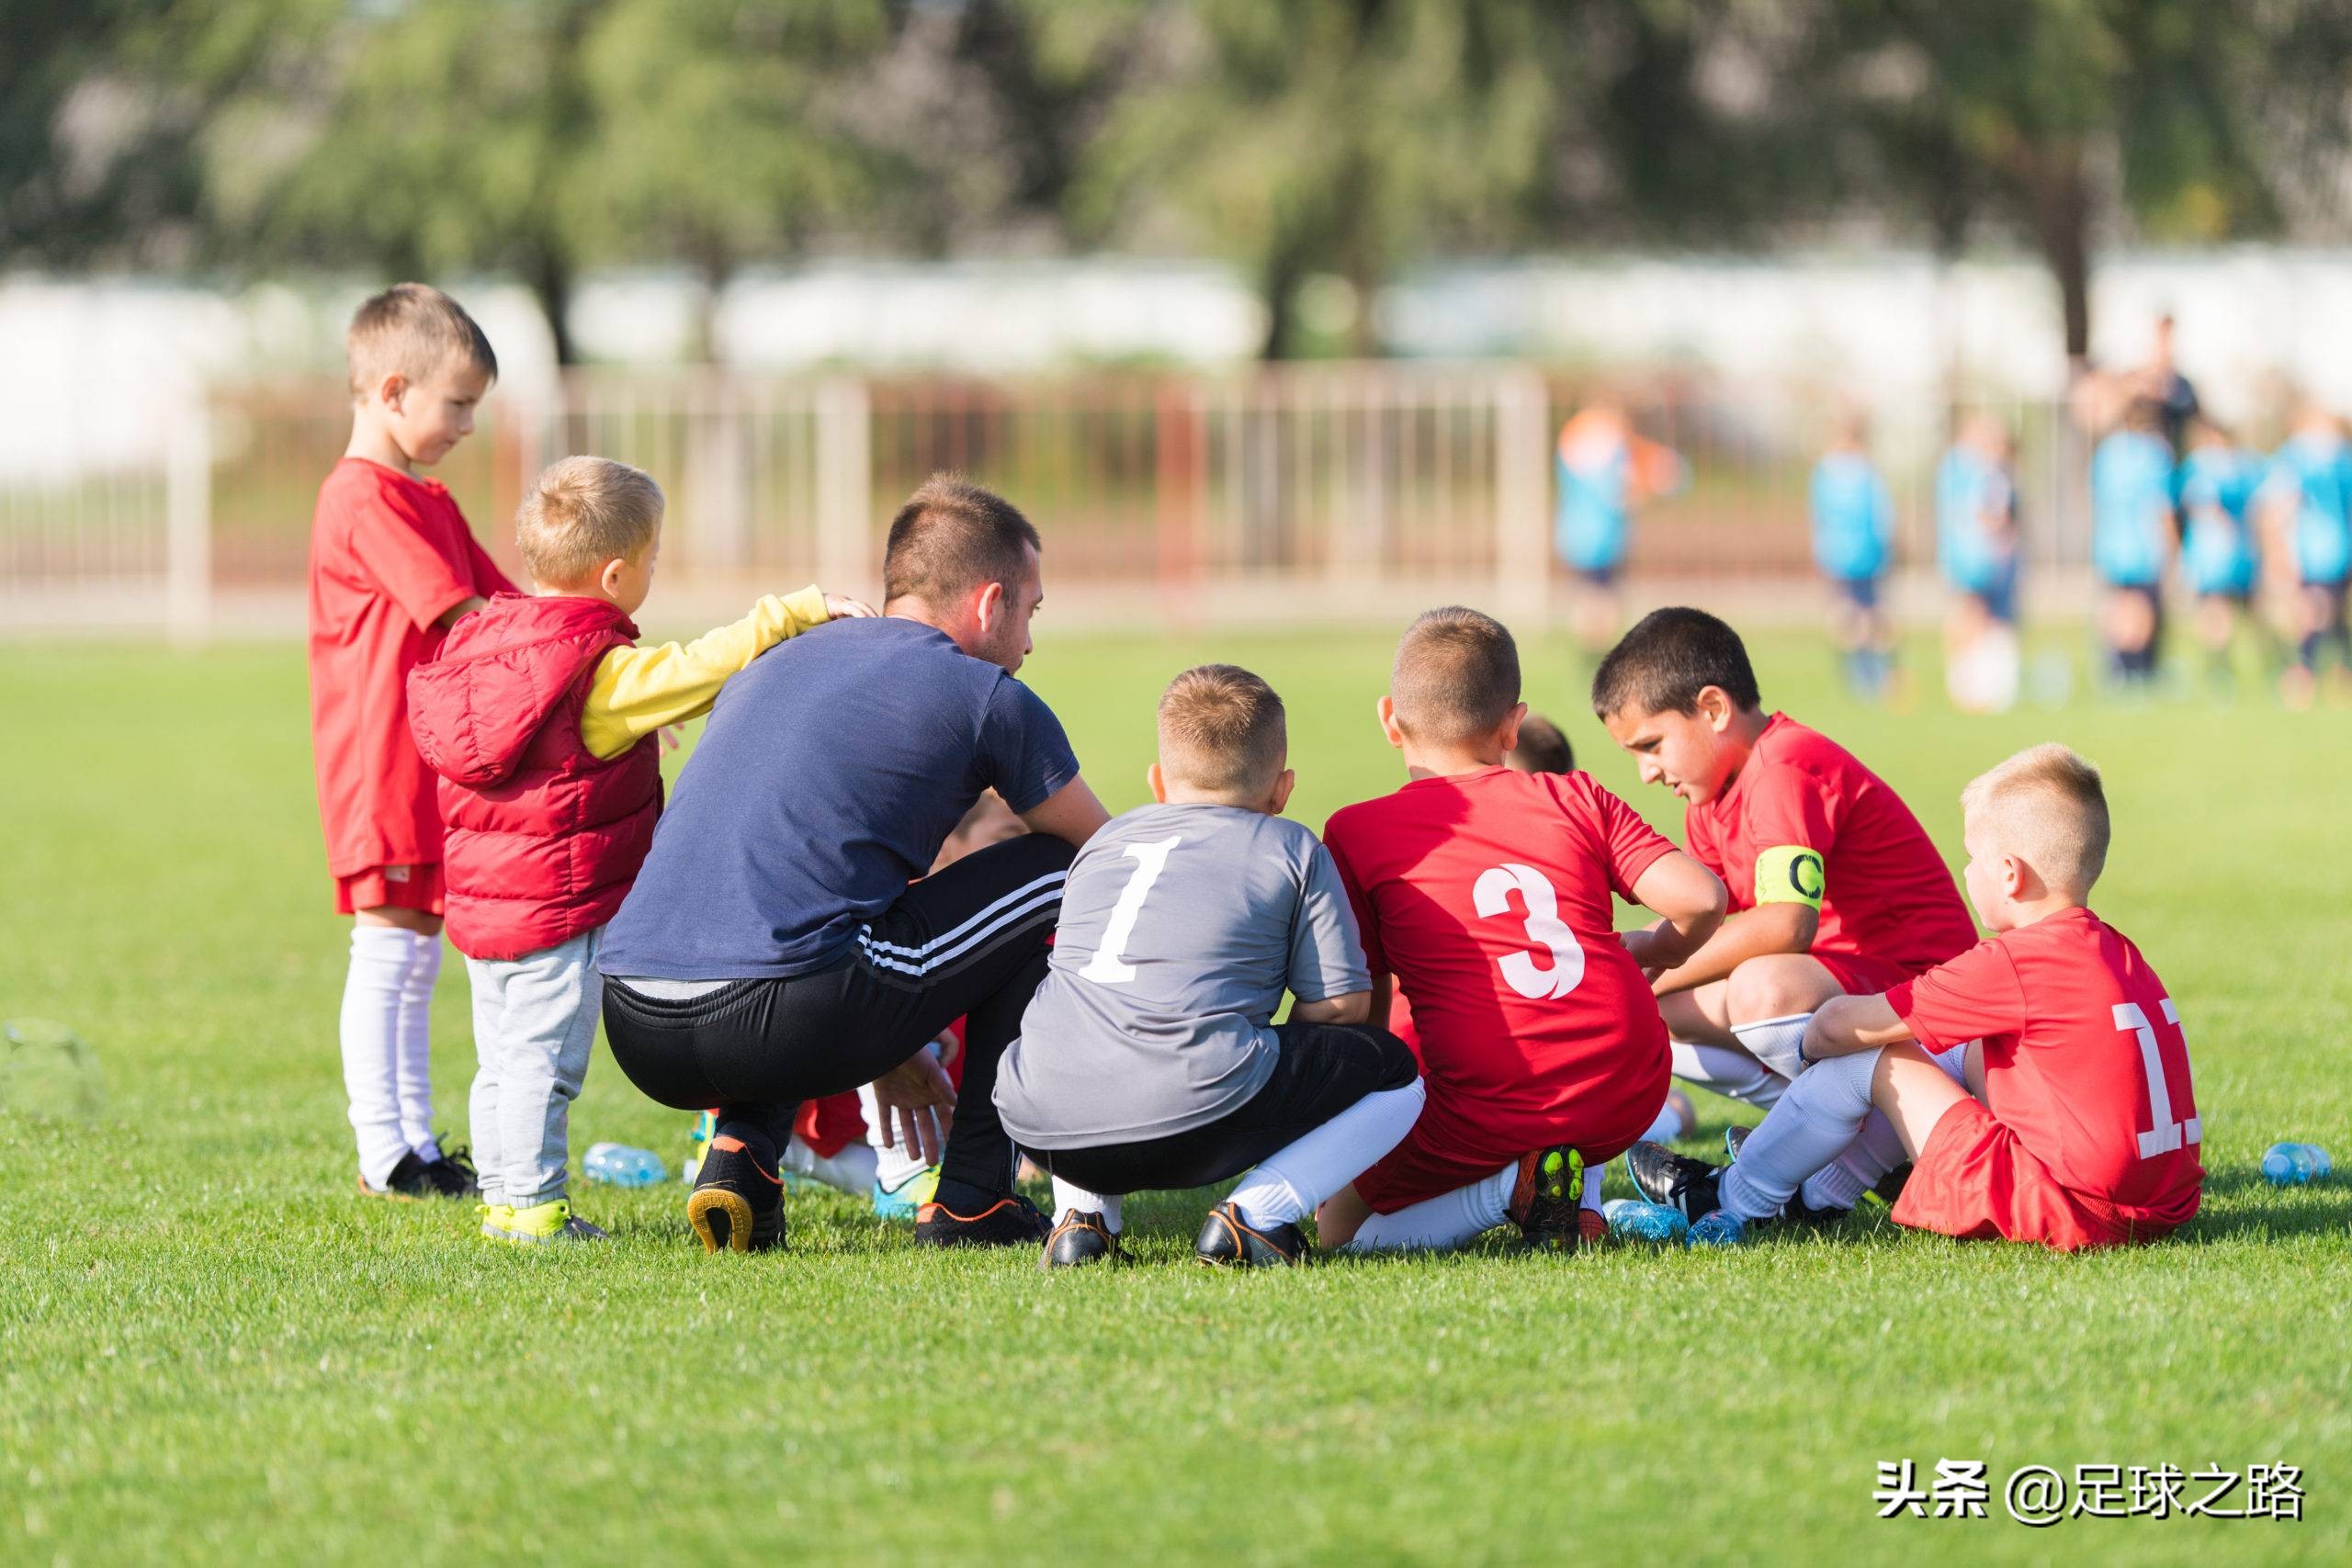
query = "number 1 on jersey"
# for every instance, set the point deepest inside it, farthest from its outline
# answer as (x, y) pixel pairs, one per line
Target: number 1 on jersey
(1107, 967)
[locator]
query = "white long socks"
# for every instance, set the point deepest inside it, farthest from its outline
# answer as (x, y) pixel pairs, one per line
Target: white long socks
(1734, 1075)
(894, 1164)
(1292, 1182)
(1811, 1125)
(1068, 1196)
(387, 1055)
(1445, 1221)
(1876, 1150)
(850, 1171)
(1775, 1040)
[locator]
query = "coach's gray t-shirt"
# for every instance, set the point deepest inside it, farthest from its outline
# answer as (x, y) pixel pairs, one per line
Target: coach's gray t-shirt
(1181, 927)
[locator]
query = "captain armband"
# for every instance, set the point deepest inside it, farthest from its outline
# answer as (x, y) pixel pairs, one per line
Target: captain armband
(1790, 874)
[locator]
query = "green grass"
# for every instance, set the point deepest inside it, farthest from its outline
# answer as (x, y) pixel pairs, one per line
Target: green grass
(211, 1349)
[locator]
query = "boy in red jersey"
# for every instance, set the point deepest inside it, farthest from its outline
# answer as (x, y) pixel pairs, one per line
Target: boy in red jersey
(1834, 886)
(2078, 1123)
(393, 566)
(1483, 893)
(540, 714)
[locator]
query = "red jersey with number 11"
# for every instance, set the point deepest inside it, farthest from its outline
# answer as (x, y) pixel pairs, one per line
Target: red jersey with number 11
(1487, 896)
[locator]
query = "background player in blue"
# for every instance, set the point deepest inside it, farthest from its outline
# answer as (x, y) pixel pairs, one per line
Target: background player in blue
(1853, 537)
(1976, 546)
(2217, 483)
(2307, 500)
(2131, 536)
(1605, 471)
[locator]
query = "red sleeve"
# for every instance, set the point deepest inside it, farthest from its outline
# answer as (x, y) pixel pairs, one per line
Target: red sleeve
(1788, 806)
(1973, 995)
(388, 540)
(489, 578)
(1367, 923)
(1632, 845)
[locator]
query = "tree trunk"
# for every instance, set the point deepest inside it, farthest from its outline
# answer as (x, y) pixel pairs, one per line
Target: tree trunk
(2060, 201)
(550, 279)
(1285, 270)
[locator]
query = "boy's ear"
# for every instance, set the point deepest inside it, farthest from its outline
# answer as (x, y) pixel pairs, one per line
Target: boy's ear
(609, 580)
(392, 389)
(1159, 783)
(1282, 787)
(1509, 734)
(1715, 706)
(1386, 709)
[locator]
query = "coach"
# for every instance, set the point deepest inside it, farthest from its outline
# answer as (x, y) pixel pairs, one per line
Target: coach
(772, 950)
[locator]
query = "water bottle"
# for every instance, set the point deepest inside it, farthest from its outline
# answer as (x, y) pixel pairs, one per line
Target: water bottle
(2292, 1165)
(621, 1166)
(48, 1071)
(1719, 1227)
(1633, 1220)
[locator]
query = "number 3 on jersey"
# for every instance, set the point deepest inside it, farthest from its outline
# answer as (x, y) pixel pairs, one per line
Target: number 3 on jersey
(1491, 897)
(1107, 967)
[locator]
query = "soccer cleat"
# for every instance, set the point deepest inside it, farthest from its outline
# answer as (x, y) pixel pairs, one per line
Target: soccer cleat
(1592, 1227)
(1681, 1183)
(1229, 1241)
(913, 1191)
(453, 1175)
(706, 1128)
(1079, 1239)
(495, 1218)
(1733, 1138)
(1547, 1197)
(543, 1224)
(1009, 1221)
(416, 1177)
(1890, 1186)
(738, 1204)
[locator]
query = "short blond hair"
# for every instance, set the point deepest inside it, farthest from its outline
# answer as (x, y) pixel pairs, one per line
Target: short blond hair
(1223, 729)
(2047, 807)
(582, 511)
(413, 330)
(1456, 676)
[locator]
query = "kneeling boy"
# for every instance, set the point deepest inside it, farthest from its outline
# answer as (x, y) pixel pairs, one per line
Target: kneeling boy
(1484, 892)
(1148, 1058)
(2078, 1127)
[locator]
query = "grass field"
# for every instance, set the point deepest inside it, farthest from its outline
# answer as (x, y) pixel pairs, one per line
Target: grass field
(209, 1348)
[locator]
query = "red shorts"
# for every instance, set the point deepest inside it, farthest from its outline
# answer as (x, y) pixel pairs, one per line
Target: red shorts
(1975, 1180)
(1445, 1152)
(390, 887)
(1862, 975)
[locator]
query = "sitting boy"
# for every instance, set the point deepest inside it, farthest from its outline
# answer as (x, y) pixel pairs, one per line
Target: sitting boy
(1148, 1057)
(1484, 893)
(540, 714)
(1836, 887)
(2078, 1124)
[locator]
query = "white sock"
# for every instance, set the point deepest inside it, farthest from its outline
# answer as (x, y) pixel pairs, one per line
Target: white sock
(1448, 1221)
(413, 1056)
(1732, 1074)
(1775, 1040)
(1668, 1125)
(894, 1164)
(1292, 1182)
(1592, 1175)
(1805, 1130)
(850, 1171)
(1069, 1197)
(1876, 1150)
(380, 956)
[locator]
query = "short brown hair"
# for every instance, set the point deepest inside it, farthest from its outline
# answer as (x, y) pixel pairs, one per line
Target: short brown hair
(951, 537)
(582, 511)
(2048, 808)
(1542, 748)
(1669, 658)
(413, 330)
(1456, 675)
(1222, 728)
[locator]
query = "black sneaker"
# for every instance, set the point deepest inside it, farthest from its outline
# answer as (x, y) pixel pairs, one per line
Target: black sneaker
(738, 1204)
(1890, 1186)
(1547, 1198)
(1676, 1181)
(1733, 1138)
(1009, 1221)
(1229, 1241)
(416, 1177)
(453, 1175)
(1079, 1238)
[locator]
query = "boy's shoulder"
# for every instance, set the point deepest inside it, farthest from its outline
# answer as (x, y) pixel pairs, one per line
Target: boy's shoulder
(1223, 829)
(355, 485)
(1490, 800)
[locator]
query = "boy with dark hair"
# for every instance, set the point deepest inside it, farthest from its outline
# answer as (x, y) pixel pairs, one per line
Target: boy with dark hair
(1149, 1058)
(1835, 888)
(392, 567)
(1484, 895)
(1542, 748)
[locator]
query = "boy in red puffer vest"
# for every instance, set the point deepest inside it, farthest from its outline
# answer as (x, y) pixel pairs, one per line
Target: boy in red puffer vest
(541, 715)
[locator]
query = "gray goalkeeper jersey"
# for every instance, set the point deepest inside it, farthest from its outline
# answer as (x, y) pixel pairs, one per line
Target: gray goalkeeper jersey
(1181, 927)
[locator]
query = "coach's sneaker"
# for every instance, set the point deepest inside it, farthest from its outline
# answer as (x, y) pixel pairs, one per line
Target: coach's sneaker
(495, 1219)
(1079, 1238)
(738, 1203)
(1229, 1241)
(544, 1224)
(1681, 1183)
(1007, 1220)
(915, 1189)
(1547, 1197)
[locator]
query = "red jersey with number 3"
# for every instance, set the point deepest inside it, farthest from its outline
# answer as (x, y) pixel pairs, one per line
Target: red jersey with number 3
(1886, 893)
(1489, 898)
(2084, 1059)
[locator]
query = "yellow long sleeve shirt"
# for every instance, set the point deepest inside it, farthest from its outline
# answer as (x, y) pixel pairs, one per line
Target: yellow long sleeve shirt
(639, 690)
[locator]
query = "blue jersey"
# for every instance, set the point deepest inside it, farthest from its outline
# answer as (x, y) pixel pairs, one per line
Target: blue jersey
(1595, 512)
(2316, 470)
(2217, 488)
(2131, 507)
(1853, 517)
(1970, 486)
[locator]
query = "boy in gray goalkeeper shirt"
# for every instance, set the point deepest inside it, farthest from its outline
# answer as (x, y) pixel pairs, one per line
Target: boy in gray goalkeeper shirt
(1148, 1059)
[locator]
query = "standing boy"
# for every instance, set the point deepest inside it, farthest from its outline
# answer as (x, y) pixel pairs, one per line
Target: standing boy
(2057, 1107)
(2131, 536)
(2309, 498)
(2218, 555)
(1853, 535)
(1977, 545)
(392, 567)
(1483, 894)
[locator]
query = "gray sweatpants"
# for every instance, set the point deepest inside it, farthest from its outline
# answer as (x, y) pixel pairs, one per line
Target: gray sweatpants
(535, 1022)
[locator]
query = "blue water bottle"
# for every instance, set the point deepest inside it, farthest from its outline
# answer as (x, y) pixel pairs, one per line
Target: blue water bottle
(1634, 1220)
(618, 1165)
(2293, 1165)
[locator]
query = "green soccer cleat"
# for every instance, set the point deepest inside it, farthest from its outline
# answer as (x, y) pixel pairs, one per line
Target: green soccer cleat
(1547, 1198)
(904, 1201)
(544, 1224)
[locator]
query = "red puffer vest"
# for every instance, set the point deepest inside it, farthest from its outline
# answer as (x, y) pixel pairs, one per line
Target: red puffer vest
(544, 838)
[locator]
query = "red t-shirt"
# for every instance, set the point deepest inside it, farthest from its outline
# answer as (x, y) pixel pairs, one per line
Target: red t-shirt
(1885, 894)
(2084, 1059)
(388, 556)
(1488, 897)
